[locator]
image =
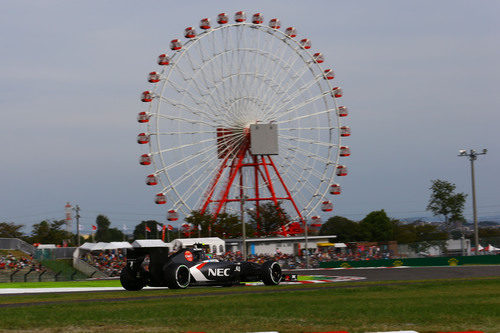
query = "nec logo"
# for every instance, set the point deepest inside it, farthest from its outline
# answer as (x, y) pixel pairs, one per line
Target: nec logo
(218, 271)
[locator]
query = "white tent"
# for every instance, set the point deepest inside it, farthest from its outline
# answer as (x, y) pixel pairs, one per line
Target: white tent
(118, 245)
(101, 246)
(149, 243)
(88, 246)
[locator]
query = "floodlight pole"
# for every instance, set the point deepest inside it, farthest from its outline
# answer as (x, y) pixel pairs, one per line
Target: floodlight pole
(472, 155)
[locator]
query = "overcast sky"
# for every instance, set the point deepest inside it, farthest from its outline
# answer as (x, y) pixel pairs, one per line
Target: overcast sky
(420, 79)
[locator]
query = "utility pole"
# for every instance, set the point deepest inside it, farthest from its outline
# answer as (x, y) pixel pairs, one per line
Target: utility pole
(77, 216)
(243, 227)
(472, 155)
(307, 243)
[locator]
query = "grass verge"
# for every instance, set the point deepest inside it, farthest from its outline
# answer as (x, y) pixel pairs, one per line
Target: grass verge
(428, 306)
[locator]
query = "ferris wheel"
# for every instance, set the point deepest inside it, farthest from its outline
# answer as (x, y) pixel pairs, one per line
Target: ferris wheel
(242, 113)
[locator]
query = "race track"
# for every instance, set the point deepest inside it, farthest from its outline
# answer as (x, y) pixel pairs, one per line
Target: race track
(409, 273)
(353, 275)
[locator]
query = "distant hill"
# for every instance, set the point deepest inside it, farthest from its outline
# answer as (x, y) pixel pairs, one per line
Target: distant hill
(490, 221)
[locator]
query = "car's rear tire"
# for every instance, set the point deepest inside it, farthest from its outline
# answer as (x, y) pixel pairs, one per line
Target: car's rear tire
(130, 281)
(177, 276)
(271, 273)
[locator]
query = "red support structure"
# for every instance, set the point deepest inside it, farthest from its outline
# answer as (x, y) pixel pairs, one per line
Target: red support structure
(223, 182)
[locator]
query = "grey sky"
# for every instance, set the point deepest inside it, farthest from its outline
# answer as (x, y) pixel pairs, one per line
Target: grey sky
(420, 80)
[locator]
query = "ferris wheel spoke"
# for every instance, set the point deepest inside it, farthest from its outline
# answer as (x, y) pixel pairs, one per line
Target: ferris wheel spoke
(304, 103)
(300, 91)
(310, 128)
(201, 91)
(190, 174)
(186, 145)
(293, 77)
(315, 142)
(315, 114)
(186, 159)
(184, 133)
(307, 153)
(206, 79)
(185, 120)
(275, 71)
(307, 184)
(195, 111)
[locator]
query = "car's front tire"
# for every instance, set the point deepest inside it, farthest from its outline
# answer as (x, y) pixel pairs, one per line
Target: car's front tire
(177, 276)
(130, 281)
(271, 273)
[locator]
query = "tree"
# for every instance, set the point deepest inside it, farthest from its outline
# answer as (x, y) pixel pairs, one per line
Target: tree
(345, 229)
(228, 226)
(377, 227)
(140, 231)
(10, 230)
(444, 201)
(427, 235)
(47, 232)
(267, 219)
(104, 233)
(202, 220)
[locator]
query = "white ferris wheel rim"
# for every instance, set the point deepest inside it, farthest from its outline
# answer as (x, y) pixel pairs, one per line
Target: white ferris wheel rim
(180, 197)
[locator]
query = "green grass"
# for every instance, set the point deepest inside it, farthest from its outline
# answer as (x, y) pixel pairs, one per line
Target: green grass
(428, 306)
(62, 284)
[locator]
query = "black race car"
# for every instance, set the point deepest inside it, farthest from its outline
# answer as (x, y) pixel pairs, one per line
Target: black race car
(156, 268)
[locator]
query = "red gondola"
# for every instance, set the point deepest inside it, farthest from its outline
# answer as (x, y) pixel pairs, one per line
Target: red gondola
(345, 131)
(345, 151)
(142, 138)
(143, 117)
(342, 111)
(222, 18)
(151, 180)
(175, 45)
(337, 92)
(329, 74)
(172, 215)
(145, 159)
(205, 24)
(316, 219)
(305, 43)
(146, 96)
(341, 170)
(153, 77)
(327, 206)
(257, 18)
(240, 16)
(318, 57)
(335, 189)
(274, 23)
(163, 60)
(291, 32)
(189, 32)
(160, 199)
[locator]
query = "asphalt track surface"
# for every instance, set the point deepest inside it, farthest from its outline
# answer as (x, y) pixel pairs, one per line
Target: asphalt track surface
(386, 276)
(410, 273)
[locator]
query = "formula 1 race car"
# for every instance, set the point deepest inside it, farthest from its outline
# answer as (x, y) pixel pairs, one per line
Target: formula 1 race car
(153, 266)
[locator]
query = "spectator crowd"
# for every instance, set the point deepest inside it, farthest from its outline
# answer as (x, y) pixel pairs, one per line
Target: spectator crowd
(12, 262)
(109, 262)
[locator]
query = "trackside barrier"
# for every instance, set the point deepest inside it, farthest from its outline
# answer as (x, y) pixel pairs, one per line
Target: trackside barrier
(434, 261)
(27, 273)
(40, 275)
(12, 275)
